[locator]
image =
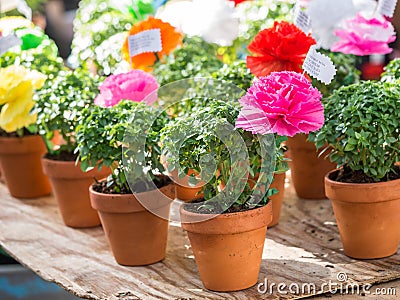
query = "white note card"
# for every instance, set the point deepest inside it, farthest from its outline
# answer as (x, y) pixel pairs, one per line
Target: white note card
(302, 20)
(319, 66)
(145, 41)
(9, 41)
(386, 7)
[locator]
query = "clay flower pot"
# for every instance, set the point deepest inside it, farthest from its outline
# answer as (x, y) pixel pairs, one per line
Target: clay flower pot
(71, 189)
(277, 199)
(184, 191)
(367, 215)
(20, 160)
(307, 169)
(228, 248)
(1, 176)
(136, 236)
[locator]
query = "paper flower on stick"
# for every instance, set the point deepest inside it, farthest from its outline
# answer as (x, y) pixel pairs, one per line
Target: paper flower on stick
(17, 86)
(284, 103)
(365, 36)
(280, 48)
(135, 85)
(170, 39)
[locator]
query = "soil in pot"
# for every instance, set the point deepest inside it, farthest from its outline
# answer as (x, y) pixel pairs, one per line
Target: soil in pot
(228, 248)
(307, 168)
(367, 215)
(71, 189)
(136, 235)
(20, 160)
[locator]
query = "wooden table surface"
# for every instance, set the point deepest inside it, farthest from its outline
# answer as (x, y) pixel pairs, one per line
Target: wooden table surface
(304, 249)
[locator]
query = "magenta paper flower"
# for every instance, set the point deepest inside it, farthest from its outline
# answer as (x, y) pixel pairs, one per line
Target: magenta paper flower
(364, 36)
(282, 102)
(135, 85)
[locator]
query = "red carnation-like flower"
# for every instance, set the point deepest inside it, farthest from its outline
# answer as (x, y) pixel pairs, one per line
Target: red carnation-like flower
(280, 48)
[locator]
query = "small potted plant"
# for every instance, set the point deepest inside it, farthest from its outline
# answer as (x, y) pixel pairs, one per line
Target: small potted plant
(308, 168)
(229, 144)
(362, 133)
(59, 105)
(238, 74)
(123, 138)
(218, 245)
(20, 147)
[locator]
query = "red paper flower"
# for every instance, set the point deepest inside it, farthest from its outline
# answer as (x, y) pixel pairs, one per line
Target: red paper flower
(237, 1)
(280, 48)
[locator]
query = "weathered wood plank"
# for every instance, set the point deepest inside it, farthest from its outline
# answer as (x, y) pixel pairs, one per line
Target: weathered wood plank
(304, 248)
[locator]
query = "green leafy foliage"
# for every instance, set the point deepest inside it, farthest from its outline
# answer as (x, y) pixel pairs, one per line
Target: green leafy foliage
(206, 141)
(59, 105)
(362, 128)
(392, 71)
(196, 58)
(346, 72)
(43, 58)
(115, 137)
(236, 73)
(95, 24)
(35, 5)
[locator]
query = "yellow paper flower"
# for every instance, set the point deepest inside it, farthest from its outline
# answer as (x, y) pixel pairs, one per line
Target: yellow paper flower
(17, 86)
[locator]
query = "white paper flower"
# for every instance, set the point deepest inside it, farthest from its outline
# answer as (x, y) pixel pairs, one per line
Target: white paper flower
(213, 20)
(326, 15)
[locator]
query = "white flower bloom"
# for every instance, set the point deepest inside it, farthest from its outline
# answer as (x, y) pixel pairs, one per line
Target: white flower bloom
(326, 15)
(213, 20)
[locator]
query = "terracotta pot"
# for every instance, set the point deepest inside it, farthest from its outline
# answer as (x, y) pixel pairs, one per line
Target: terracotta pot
(21, 166)
(367, 215)
(277, 199)
(185, 192)
(136, 236)
(57, 139)
(307, 169)
(228, 248)
(1, 176)
(71, 190)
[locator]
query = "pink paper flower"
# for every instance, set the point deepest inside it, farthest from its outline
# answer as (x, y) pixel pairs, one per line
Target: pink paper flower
(284, 103)
(135, 85)
(364, 36)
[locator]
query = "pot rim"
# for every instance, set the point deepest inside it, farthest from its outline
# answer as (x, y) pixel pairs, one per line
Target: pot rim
(367, 193)
(22, 145)
(358, 185)
(31, 136)
(71, 170)
(56, 161)
(128, 203)
(261, 216)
